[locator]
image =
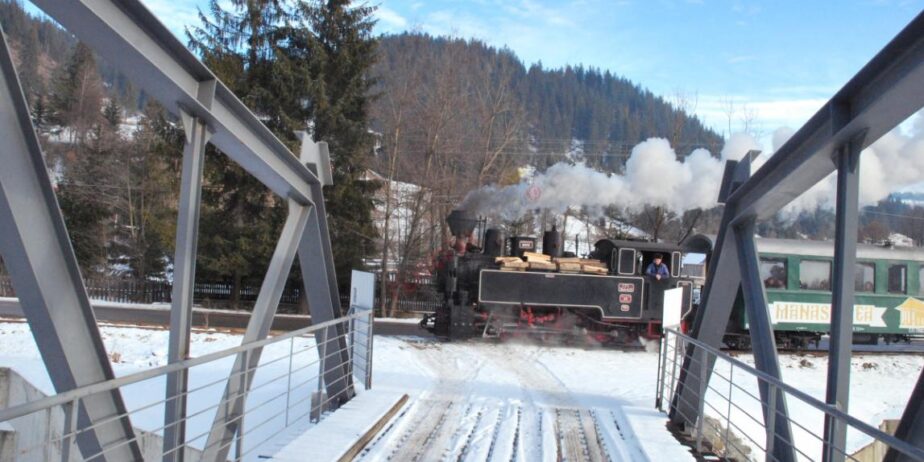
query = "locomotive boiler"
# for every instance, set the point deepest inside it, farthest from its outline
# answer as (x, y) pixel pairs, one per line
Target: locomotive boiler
(505, 287)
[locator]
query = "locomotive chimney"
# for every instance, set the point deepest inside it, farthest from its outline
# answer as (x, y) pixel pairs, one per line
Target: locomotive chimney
(493, 242)
(461, 223)
(551, 243)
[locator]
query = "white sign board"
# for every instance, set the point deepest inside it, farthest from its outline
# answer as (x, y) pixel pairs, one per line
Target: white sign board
(362, 290)
(673, 308)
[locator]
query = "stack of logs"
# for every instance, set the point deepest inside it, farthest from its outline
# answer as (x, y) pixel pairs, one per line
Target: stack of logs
(538, 261)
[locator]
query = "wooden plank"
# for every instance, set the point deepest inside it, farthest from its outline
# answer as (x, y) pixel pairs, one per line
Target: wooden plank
(593, 269)
(363, 440)
(532, 256)
(514, 264)
(507, 259)
(542, 265)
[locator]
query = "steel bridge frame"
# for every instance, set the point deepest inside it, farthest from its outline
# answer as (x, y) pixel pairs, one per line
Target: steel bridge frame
(41, 262)
(881, 96)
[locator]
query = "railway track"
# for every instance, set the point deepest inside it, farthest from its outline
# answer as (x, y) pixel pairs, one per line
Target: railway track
(493, 430)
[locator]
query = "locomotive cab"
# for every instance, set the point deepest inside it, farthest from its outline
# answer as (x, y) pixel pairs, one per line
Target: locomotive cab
(631, 258)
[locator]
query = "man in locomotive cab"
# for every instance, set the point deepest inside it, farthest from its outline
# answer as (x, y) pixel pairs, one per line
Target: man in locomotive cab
(657, 270)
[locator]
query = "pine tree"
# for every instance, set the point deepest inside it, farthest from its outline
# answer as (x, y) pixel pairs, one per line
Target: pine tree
(28, 65)
(77, 93)
(340, 51)
(241, 218)
(83, 191)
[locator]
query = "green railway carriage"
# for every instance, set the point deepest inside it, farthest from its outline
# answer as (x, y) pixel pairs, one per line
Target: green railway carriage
(797, 275)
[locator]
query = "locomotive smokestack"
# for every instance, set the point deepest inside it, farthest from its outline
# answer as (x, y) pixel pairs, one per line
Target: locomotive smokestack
(493, 242)
(461, 223)
(551, 243)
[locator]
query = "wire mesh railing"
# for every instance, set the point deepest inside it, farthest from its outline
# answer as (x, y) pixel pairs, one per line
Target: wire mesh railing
(731, 421)
(288, 386)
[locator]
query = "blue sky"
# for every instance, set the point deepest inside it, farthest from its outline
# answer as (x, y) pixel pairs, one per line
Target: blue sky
(780, 60)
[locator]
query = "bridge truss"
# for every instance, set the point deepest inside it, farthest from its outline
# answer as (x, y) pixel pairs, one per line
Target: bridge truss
(881, 96)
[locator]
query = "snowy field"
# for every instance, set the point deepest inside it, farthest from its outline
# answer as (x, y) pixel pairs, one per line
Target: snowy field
(477, 400)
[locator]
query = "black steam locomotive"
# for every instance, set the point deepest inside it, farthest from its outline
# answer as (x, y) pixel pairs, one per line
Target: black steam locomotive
(620, 305)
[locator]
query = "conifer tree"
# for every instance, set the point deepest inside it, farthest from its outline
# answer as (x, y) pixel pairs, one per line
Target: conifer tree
(83, 191)
(243, 44)
(339, 51)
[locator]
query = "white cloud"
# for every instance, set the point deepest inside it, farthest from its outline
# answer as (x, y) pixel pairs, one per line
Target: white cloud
(741, 59)
(390, 19)
(766, 113)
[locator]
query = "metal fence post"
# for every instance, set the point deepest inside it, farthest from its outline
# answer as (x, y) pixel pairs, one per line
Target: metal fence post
(369, 338)
(771, 418)
(702, 400)
(289, 378)
(71, 410)
(239, 441)
(731, 376)
(677, 346)
(662, 370)
(322, 354)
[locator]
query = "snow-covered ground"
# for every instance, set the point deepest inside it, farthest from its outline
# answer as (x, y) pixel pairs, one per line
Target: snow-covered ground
(478, 400)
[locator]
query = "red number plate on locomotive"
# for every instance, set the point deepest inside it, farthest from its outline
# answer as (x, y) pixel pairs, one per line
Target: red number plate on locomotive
(626, 287)
(625, 298)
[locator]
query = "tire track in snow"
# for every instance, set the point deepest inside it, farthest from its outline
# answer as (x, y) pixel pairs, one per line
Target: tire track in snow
(419, 436)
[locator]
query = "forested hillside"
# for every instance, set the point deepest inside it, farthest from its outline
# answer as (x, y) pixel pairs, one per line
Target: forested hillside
(534, 109)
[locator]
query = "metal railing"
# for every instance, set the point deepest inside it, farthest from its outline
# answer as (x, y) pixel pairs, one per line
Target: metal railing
(733, 423)
(287, 388)
(421, 297)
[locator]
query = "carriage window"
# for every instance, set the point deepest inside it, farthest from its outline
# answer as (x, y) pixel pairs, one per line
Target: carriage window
(815, 275)
(773, 272)
(897, 277)
(865, 279)
(921, 280)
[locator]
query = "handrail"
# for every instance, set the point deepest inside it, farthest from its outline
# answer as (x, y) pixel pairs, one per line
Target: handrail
(109, 385)
(867, 429)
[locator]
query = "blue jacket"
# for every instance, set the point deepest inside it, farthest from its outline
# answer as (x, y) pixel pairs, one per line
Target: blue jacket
(660, 269)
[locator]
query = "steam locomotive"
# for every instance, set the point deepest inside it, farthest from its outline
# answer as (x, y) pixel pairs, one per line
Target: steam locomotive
(619, 306)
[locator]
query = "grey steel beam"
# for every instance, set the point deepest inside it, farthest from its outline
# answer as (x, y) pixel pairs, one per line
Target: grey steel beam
(132, 39)
(878, 98)
(911, 426)
(763, 344)
(845, 257)
(723, 283)
(184, 277)
(320, 278)
(228, 417)
(323, 302)
(709, 326)
(38, 255)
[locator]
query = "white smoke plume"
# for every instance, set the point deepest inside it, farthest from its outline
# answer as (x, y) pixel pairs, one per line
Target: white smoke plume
(654, 176)
(891, 164)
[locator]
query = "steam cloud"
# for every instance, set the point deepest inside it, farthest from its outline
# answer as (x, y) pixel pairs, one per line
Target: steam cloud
(654, 176)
